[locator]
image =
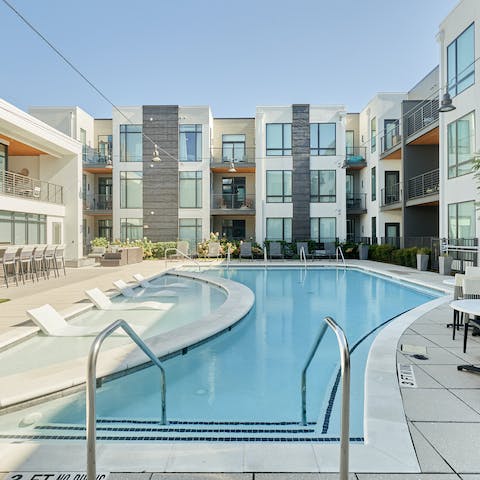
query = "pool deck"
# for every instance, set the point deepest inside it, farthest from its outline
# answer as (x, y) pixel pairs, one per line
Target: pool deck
(443, 411)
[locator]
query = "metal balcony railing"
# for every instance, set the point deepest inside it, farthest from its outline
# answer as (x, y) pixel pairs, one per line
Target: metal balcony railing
(233, 201)
(356, 202)
(355, 157)
(422, 115)
(92, 156)
(422, 185)
(98, 202)
(17, 185)
(392, 194)
(238, 155)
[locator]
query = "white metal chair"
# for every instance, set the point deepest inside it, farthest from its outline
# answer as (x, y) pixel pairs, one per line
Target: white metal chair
(25, 261)
(58, 257)
(49, 260)
(9, 260)
(37, 261)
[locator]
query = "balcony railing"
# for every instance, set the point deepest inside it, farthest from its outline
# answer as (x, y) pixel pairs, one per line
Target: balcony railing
(392, 194)
(232, 201)
(423, 185)
(421, 116)
(238, 155)
(98, 203)
(17, 185)
(391, 139)
(92, 156)
(355, 157)
(356, 202)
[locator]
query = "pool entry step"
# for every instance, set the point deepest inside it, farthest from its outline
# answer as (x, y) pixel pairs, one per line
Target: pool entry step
(183, 431)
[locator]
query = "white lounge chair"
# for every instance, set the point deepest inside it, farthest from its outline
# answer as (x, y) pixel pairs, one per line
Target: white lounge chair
(144, 283)
(102, 302)
(127, 291)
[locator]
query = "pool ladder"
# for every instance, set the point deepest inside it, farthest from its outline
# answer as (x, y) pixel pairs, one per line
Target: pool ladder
(173, 249)
(339, 253)
(91, 426)
(345, 370)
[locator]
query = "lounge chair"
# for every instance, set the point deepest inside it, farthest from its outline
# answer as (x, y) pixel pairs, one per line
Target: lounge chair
(127, 291)
(275, 250)
(328, 251)
(213, 250)
(102, 302)
(144, 283)
(303, 245)
(471, 271)
(471, 291)
(246, 250)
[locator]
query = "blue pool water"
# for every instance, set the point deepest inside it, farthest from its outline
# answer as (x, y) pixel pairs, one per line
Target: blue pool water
(252, 373)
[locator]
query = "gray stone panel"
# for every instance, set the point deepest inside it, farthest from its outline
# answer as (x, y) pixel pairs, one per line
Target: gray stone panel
(160, 183)
(301, 172)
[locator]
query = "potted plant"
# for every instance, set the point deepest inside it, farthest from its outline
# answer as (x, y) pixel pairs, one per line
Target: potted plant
(363, 251)
(445, 264)
(423, 255)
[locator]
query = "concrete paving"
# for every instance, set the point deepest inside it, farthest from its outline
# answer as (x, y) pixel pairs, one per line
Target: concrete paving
(443, 409)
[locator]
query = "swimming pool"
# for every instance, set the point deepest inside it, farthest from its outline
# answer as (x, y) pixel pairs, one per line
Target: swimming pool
(245, 383)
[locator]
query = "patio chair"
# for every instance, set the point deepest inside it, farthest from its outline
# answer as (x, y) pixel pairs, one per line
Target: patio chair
(49, 260)
(25, 261)
(471, 271)
(127, 291)
(471, 291)
(59, 259)
(213, 250)
(275, 250)
(328, 251)
(144, 283)
(38, 262)
(9, 260)
(102, 302)
(304, 246)
(246, 250)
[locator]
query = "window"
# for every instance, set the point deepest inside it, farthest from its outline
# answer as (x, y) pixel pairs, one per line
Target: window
(131, 190)
(22, 228)
(105, 148)
(105, 228)
(279, 186)
(279, 229)
(131, 228)
(233, 148)
(190, 144)
(374, 183)
(461, 148)
(131, 143)
(279, 139)
(56, 233)
(3, 158)
(373, 134)
(233, 229)
(83, 141)
(374, 230)
(350, 142)
(323, 229)
(323, 139)
(190, 229)
(190, 189)
(323, 186)
(461, 62)
(461, 220)
(391, 134)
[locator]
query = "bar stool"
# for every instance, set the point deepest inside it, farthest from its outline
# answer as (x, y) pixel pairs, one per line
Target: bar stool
(37, 261)
(10, 259)
(49, 260)
(25, 261)
(59, 257)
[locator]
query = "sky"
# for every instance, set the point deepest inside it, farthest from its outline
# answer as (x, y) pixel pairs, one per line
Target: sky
(231, 55)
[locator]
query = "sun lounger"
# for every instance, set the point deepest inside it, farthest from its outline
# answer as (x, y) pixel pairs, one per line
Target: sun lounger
(127, 291)
(102, 302)
(275, 250)
(144, 283)
(246, 250)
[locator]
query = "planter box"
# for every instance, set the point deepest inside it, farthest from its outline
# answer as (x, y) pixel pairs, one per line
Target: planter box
(363, 252)
(445, 265)
(422, 262)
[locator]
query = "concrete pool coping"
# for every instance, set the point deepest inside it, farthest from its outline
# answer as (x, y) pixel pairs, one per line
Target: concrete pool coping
(377, 454)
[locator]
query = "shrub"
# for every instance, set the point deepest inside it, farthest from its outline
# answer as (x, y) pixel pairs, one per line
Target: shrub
(99, 242)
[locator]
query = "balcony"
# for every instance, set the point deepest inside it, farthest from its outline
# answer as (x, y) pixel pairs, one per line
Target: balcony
(356, 203)
(98, 204)
(422, 119)
(391, 144)
(97, 161)
(355, 158)
(16, 185)
(243, 158)
(232, 204)
(423, 188)
(391, 197)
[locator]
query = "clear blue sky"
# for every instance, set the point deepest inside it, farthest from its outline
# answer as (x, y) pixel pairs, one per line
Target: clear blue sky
(231, 55)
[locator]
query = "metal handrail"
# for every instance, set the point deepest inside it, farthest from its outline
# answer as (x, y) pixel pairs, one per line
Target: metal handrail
(265, 257)
(427, 183)
(228, 258)
(91, 420)
(345, 372)
(173, 249)
(302, 254)
(339, 249)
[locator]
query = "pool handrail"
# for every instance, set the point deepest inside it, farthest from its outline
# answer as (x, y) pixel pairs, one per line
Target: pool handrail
(173, 249)
(345, 372)
(265, 256)
(91, 417)
(303, 256)
(339, 249)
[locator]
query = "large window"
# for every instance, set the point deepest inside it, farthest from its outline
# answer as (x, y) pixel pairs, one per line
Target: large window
(323, 229)
(350, 142)
(131, 229)
(190, 229)
(374, 183)
(190, 189)
(131, 190)
(131, 143)
(105, 148)
(373, 134)
(323, 139)
(3, 158)
(279, 139)
(22, 228)
(190, 143)
(233, 148)
(279, 229)
(461, 62)
(461, 145)
(323, 186)
(461, 220)
(279, 186)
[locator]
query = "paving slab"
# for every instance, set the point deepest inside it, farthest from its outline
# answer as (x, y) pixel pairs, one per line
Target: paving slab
(450, 377)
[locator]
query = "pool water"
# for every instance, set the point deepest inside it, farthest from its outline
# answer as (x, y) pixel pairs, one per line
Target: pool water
(252, 374)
